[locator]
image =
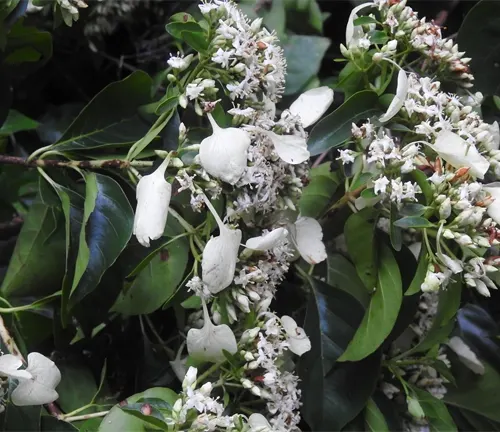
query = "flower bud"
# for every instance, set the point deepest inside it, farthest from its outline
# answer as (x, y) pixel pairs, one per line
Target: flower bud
(243, 303)
(445, 209)
(177, 406)
(231, 311)
(246, 383)
(190, 378)
(249, 335)
(253, 365)
(255, 390)
(249, 356)
(153, 199)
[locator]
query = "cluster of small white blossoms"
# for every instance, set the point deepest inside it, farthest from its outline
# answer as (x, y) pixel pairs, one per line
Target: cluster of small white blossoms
(35, 384)
(404, 31)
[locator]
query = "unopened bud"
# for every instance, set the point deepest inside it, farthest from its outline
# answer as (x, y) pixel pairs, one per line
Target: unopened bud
(249, 356)
(231, 312)
(183, 101)
(255, 390)
(445, 209)
(249, 335)
(246, 383)
(253, 365)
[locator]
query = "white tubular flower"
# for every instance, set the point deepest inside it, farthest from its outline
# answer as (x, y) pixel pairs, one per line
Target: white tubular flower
(224, 153)
(433, 281)
(9, 365)
(40, 388)
(308, 240)
(267, 241)
(180, 63)
(153, 199)
(220, 255)
(493, 209)
(495, 133)
(353, 33)
(208, 342)
(457, 152)
(453, 264)
(258, 423)
(466, 355)
(401, 93)
(312, 104)
(290, 148)
(297, 339)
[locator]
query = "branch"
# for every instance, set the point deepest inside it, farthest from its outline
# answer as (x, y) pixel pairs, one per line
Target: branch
(92, 164)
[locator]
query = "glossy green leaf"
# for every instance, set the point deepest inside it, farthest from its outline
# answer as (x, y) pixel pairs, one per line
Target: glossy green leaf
(110, 119)
(395, 232)
(421, 179)
(364, 20)
(189, 31)
(156, 283)
(17, 122)
(119, 420)
(318, 193)
(435, 411)
(420, 274)
(374, 418)
(107, 232)
(77, 386)
(334, 129)
(275, 18)
(52, 424)
(303, 55)
(413, 222)
(382, 312)
(21, 419)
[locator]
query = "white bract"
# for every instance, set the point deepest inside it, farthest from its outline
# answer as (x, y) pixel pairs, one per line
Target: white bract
(224, 153)
(352, 32)
(208, 342)
(307, 236)
(153, 199)
(268, 240)
(258, 423)
(297, 339)
(220, 255)
(466, 355)
(399, 99)
(494, 208)
(9, 365)
(40, 388)
(458, 153)
(312, 104)
(290, 148)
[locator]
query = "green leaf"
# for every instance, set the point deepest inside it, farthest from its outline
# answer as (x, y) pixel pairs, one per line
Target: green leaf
(359, 232)
(395, 232)
(378, 37)
(331, 320)
(364, 20)
(435, 411)
(412, 209)
(190, 32)
(17, 122)
(413, 222)
(276, 18)
(382, 312)
(420, 274)
(350, 80)
(119, 420)
(342, 274)
(423, 182)
(21, 419)
(318, 193)
(37, 263)
(77, 387)
(152, 416)
(303, 55)
(156, 283)
(52, 424)
(479, 36)
(111, 117)
(107, 232)
(374, 418)
(334, 129)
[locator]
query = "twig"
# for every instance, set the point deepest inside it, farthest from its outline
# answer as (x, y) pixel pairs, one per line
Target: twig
(320, 159)
(85, 416)
(93, 164)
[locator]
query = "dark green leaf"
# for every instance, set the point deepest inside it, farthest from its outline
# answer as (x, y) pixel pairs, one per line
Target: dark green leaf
(421, 179)
(383, 311)
(190, 32)
(21, 419)
(156, 283)
(303, 55)
(420, 274)
(318, 193)
(17, 122)
(413, 222)
(276, 18)
(374, 418)
(359, 232)
(110, 119)
(435, 411)
(378, 37)
(412, 209)
(52, 424)
(146, 413)
(335, 128)
(395, 231)
(350, 80)
(77, 386)
(107, 232)
(364, 20)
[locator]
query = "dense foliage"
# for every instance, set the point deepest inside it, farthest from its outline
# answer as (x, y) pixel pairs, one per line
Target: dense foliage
(239, 233)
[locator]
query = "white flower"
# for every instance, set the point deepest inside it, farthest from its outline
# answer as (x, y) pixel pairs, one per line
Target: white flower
(258, 423)
(290, 148)
(380, 185)
(153, 199)
(220, 255)
(346, 156)
(312, 104)
(433, 281)
(189, 380)
(457, 152)
(297, 339)
(206, 7)
(466, 355)
(493, 209)
(180, 63)
(267, 241)
(208, 342)
(454, 265)
(307, 236)
(40, 388)
(224, 153)
(353, 33)
(223, 57)
(495, 136)
(246, 112)
(399, 98)
(9, 365)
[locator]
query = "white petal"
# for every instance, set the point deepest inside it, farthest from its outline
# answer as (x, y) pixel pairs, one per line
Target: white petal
(457, 152)
(453, 264)
(207, 343)
(224, 154)
(297, 339)
(493, 209)
(267, 241)
(153, 199)
(495, 132)
(312, 104)
(309, 240)
(258, 423)
(290, 148)
(40, 389)
(349, 30)
(9, 365)
(399, 98)
(466, 355)
(219, 259)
